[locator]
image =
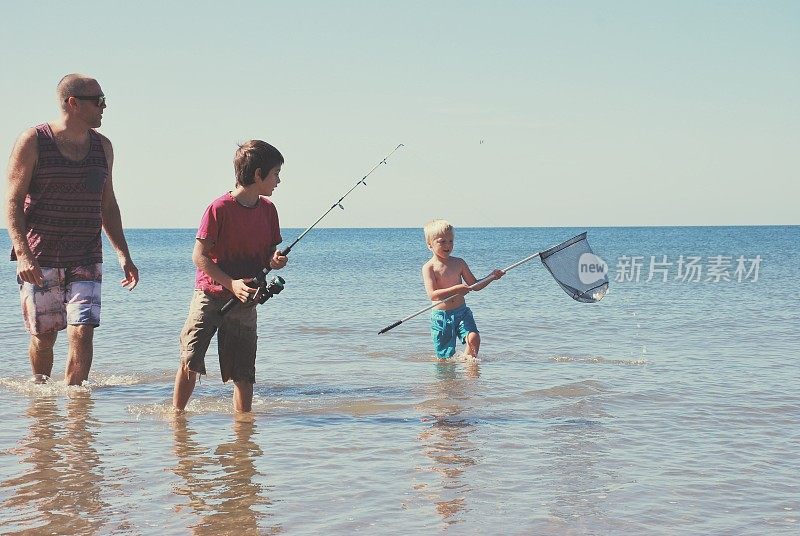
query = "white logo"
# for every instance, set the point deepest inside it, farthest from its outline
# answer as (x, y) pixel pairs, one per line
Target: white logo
(591, 268)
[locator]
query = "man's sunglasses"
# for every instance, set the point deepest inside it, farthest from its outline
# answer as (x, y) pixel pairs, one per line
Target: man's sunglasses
(99, 100)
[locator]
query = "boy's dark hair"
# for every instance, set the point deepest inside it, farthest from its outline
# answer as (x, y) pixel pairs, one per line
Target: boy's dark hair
(253, 155)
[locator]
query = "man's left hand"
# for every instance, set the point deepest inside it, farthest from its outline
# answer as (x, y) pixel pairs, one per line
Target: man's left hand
(131, 274)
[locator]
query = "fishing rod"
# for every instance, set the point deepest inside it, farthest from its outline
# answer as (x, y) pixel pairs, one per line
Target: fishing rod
(265, 289)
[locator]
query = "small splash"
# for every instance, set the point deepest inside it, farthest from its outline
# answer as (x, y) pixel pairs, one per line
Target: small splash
(163, 410)
(36, 387)
(461, 357)
(41, 385)
(599, 360)
(199, 405)
(427, 357)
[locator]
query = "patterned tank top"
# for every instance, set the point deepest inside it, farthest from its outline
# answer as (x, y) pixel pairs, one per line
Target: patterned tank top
(63, 208)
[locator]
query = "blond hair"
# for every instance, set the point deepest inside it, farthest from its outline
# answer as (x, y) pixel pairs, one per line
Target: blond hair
(436, 228)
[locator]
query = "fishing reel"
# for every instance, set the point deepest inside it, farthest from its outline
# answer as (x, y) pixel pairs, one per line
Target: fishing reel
(268, 289)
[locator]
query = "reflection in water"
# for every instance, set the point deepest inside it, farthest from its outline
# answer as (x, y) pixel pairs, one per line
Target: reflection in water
(446, 441)
(220, 487)
(576, 437)
(59, 493)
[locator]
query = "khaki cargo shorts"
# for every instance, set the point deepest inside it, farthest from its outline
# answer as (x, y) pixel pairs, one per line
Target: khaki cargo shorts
(236, 340)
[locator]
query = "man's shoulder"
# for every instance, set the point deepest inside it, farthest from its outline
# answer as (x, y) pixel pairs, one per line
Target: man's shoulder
(28, 136)
(27, 146)
(103, 139)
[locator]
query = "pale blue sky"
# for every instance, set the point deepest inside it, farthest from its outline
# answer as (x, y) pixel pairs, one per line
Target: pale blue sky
(589, 113)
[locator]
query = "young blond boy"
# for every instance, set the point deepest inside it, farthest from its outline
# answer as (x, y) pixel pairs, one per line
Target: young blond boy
(445, 276)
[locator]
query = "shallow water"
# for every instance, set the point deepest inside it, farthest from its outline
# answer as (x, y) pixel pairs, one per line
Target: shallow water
(668, 408)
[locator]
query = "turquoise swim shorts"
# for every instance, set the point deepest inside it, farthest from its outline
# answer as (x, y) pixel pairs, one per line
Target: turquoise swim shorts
(446, 325)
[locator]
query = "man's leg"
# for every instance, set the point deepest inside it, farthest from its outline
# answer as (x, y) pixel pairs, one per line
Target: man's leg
(44, 315)
(185, 381)
(82, 291)
(242, 396)
(40, 352)
(79, 354)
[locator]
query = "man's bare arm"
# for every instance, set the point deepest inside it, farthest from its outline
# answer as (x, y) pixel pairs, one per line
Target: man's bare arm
(20, 173)
(112, 223)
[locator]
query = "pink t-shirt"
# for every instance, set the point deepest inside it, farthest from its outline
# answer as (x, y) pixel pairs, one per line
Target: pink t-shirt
(242, 239)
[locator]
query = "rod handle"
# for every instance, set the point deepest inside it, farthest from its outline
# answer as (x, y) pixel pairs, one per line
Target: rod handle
(259, 279)
(233, 301)
(228, 306)
(387, 328)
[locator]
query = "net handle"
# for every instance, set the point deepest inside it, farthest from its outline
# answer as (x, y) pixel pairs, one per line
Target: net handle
(476, 283)
(542, 254)
(447, 299)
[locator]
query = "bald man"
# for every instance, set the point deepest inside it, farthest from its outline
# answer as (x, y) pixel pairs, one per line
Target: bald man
(60, 196)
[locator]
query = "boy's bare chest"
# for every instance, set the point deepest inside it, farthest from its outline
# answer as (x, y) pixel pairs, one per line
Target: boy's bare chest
(447, 274)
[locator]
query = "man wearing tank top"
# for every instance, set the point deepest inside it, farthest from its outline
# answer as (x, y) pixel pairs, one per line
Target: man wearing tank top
(60, 196)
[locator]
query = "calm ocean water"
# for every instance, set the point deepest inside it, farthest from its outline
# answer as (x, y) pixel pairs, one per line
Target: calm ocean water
(671, 407)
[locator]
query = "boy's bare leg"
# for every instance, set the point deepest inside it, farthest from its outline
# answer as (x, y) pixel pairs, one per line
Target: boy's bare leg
(242, 396)
(185, 380)
(472, 369)
(40, 351)
(473, 344)
(79, 354)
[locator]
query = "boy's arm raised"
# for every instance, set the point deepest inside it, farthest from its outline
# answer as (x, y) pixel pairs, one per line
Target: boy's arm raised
(473, 282)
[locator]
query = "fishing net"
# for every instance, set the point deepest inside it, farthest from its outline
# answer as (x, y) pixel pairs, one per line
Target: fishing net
(574, 266)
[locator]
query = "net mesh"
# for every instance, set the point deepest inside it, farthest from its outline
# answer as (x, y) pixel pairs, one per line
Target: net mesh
(581, 273)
